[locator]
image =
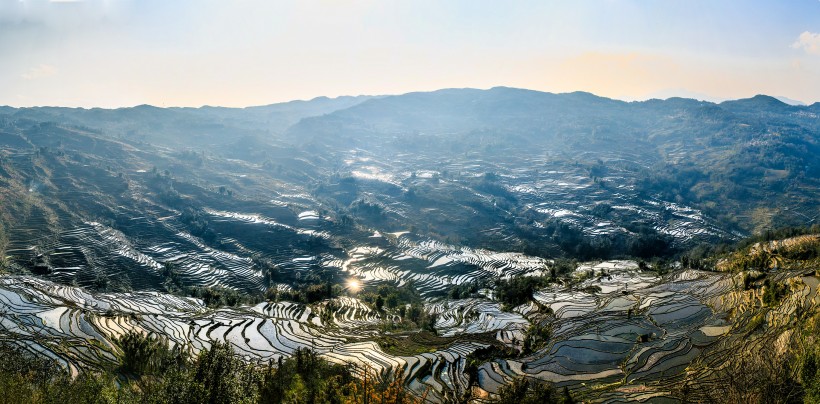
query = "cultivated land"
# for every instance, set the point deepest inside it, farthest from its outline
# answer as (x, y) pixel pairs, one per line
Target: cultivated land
(573, 237)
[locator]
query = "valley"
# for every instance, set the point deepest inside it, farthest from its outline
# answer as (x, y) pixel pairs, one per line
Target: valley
(389, 232)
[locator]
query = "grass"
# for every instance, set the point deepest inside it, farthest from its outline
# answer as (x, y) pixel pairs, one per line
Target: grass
(414, 343)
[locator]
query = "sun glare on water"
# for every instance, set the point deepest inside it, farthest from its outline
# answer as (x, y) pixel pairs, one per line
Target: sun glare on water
(354, 285)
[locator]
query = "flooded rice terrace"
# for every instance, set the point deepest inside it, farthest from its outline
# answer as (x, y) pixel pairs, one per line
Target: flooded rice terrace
(355, 220)
(613, 322)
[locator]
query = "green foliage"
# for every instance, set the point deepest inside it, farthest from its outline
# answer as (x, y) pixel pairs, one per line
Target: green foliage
(575, 244)
(750, 278)
(197, 222)
(702, 255)
(523, 391)
(212, 296)
(196, 159)
(217, 375)
(221, 297)
(307, 293)
(25, 378)
(305, 378)
(421, 318)
(312, 287)
(647, 242)
(807, 357)
(379, 303)
(562, 266)
(536, 337)
(85, 388)
(391, 296)
(367, 208)
(810, 376)
(773, 292)
(517, 291)
(466, 290)
(659, 266)
(490, 184)
(172, 282)
(146, 355)
(4, 242)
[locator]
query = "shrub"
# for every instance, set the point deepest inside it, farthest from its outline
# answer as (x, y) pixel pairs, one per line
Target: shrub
(517, 291)
(143, 354)
(773, 292)
(215, 376)
(522, 391)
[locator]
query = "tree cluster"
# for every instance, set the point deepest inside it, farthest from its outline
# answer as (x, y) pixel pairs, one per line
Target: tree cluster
(150, 371)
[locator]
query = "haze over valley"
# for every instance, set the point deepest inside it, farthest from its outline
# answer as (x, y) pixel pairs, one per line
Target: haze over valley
(538, 202)
(288, 223)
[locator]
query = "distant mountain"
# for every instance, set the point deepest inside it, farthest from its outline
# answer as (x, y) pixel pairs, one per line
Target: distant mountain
(275, 117)
(459, 237)
(734, 160)
(683, 93)
(191, 126)
(757, 104)
(720, 157)
(507, 112)
(790, 101)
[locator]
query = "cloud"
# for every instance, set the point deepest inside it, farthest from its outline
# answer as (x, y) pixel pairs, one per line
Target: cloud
(39, 72)
(809, 42)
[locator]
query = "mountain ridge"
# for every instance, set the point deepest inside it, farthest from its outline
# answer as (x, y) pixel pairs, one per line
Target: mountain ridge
(448, 89)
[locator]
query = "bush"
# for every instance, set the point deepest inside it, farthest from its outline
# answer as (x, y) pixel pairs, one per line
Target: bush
(215, 376)
(517, 291)
(219, 376)
(25, 378)
(773, 292)
(305, 377)
(220, 297)
(536, 337)
(522, 391)
(143, 354)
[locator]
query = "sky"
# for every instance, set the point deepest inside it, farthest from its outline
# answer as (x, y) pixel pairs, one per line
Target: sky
(113, 53)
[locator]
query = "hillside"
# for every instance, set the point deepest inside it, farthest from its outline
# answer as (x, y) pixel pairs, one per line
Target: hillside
(725, 159)
(466, 239)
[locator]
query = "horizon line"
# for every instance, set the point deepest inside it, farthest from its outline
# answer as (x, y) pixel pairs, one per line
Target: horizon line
(712, 100)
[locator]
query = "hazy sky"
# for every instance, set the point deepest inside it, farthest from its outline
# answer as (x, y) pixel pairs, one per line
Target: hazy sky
(236, 53)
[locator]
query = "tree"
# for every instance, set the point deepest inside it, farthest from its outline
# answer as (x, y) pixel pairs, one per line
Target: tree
(219, 376)
(144, 355)
(379, 303)
(522, 391)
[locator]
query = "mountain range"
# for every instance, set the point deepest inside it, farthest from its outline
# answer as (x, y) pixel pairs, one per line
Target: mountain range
(590, 242)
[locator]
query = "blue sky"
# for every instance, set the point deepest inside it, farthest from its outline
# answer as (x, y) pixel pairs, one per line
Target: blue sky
(113, 53)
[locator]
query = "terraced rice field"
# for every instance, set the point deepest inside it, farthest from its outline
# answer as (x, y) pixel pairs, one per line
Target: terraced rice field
(119, 222)
(616, 324)
(636, 329)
